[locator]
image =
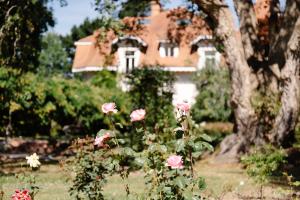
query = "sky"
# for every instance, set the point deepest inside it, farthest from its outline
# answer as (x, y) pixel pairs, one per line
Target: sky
(77, 10)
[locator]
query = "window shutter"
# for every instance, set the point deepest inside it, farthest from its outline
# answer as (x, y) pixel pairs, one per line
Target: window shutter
(176, 51)
(162, 51)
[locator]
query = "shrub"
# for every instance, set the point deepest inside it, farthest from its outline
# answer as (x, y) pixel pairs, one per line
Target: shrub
(213, 100)
(32, 105)
(265, 164)
(152, 90)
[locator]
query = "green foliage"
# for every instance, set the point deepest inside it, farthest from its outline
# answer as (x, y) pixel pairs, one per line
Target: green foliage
(151, 89)
(92, 165)
(77, 32)
(134, 8)
(53, 57)
(213, 100)
(105, 79)
(90, 171)
(34, 105)
(164, 182)
(267, 105)
(22, 23)
(265, 164)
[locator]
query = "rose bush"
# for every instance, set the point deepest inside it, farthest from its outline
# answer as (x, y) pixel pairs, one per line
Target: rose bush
(28, 180)
(168, 167)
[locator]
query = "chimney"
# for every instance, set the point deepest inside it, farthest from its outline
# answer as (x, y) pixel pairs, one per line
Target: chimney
(155, 7)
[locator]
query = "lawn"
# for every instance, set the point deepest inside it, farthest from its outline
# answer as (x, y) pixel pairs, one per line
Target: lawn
(222, 181)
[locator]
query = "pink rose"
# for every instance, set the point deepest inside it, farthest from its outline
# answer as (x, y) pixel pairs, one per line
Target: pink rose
(21, 195)
(184, 107)
(138, 115)
(109, 107)
(175, 162)
(99, 141)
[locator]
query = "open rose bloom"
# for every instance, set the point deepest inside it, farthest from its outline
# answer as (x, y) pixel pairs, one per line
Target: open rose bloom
(175, 162)
(100, 141)
(21, 195)
(183, 107)
(109, 108)
(33, 160)
(137, 115)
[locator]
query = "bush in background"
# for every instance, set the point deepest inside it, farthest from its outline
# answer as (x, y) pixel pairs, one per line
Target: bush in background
(32, 105)
(213, 100)
(265, 164)
(152, 90)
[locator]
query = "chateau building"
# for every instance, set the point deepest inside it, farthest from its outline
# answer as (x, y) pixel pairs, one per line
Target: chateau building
(176, 40)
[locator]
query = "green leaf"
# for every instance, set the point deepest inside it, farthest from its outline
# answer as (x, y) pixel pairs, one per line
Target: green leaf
(121, 141)
(119, 125)
(198, 146)
(140, 161)
(102, 132)
(206, 137)
(201, 183)
(180, 145)
(163, 148)
(180, 182)
(140, 130)
(208, 146)
(128, 151)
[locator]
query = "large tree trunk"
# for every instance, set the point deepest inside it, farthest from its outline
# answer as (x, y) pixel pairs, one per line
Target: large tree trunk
(249, 59)
(286, 120)
(242, 83)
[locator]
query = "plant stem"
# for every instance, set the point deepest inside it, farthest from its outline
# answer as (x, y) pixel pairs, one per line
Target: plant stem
(261, 192)
(191, 160)
(114, 130)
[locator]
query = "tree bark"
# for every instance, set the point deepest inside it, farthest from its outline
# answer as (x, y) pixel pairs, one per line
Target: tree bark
(243, 81)
(248, 61)
(286, 120)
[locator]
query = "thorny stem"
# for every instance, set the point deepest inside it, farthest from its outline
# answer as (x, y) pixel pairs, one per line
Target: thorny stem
(123, 176)
(114, 130)
(186, 124)
(261, 192)
(191, 160)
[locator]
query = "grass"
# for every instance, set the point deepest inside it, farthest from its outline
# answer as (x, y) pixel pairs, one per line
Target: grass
(222, 180)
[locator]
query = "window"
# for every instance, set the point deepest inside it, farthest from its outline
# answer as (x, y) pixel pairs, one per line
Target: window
(129, 57)
(210, 58)
(168, 50)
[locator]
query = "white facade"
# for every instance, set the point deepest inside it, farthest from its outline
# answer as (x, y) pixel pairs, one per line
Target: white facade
(129, 53)
(184, 88)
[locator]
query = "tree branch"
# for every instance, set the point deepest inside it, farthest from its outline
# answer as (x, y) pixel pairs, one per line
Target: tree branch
(280, 42)
(274, 20)
(248, 27)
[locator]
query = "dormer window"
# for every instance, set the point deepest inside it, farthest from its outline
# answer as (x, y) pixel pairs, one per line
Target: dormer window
(167, 49)
(129, 51)
(210, 58)
(208, 54)
(130, 61)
